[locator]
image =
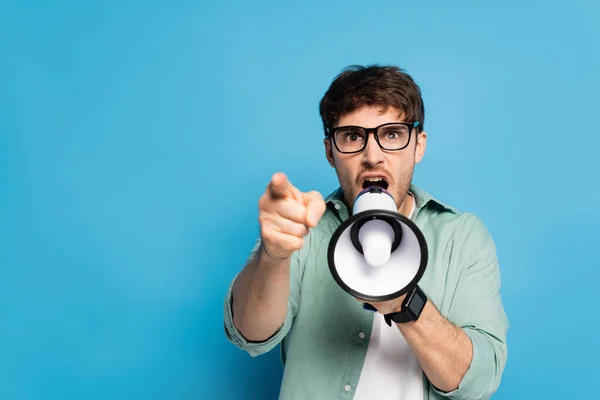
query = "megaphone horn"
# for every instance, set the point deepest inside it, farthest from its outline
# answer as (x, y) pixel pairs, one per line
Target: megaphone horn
(377, 254)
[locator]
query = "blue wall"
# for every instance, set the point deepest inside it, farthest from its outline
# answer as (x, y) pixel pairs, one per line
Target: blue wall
(120, 120)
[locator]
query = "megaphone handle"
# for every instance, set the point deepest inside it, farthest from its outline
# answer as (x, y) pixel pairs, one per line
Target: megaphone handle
(369, 307)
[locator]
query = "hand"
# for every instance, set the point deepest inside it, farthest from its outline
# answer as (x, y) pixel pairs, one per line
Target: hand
(286, 214)
(387, 307)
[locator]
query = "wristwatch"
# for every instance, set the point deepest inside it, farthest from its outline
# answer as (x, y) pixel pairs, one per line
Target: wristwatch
(411, 307)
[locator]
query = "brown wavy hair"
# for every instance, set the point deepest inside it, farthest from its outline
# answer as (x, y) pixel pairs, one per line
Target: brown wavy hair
(374, 85)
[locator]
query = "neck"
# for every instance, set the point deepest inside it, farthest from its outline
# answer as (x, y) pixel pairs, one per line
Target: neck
(406, 206)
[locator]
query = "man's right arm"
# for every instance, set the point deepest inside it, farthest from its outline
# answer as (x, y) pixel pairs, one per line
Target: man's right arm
(261, 294)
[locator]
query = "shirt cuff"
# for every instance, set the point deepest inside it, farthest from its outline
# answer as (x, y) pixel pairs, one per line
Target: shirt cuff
(482, 377)
(251, 347)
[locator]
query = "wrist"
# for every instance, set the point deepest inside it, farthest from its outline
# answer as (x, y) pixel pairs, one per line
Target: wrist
(271, 257)
(408, 308)
(399, 304)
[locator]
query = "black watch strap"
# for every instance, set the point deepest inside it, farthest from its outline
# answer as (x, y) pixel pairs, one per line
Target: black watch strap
(411, 307)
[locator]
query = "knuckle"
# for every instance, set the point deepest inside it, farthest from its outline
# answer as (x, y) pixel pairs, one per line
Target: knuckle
(301, 231)
(314, 194)
(264, 199)
(263, 219)
(287, 247)
(267, 240)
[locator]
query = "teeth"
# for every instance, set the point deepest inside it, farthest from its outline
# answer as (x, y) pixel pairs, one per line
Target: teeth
(373, 179)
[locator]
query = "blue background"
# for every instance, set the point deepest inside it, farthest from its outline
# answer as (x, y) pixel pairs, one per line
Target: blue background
(137, 137)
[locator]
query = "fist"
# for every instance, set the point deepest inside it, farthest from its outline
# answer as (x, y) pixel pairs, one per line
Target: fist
(286, 214)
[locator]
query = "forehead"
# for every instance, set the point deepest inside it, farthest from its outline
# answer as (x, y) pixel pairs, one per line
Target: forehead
(371, 116)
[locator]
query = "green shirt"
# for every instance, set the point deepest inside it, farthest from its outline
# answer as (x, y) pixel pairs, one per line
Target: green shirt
(321, 349)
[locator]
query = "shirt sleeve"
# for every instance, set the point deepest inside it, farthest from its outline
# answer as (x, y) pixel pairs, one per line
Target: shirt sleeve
(478, 310)
(254, 348)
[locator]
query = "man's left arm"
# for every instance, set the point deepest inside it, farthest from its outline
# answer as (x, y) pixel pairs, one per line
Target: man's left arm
(463, 355)
(443, 349)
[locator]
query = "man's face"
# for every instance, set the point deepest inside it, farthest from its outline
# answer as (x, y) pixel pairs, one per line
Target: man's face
(395, 167)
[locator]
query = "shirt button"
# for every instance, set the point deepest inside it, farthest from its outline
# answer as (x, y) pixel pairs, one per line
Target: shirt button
(361, 335)
(337, 206)
(347, 388)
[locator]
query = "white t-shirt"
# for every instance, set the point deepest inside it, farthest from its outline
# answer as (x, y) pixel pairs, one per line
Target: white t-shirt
(391, 370)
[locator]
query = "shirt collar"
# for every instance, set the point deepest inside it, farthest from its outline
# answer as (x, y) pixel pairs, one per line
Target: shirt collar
(423, 198)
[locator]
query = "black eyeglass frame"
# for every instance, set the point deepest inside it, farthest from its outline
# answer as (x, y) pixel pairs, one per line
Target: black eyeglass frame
(330, 133)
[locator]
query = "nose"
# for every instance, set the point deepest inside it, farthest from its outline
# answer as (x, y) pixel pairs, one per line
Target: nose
(372, 154)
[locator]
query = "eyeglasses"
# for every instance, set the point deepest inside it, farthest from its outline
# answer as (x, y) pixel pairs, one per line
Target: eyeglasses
(392, 136)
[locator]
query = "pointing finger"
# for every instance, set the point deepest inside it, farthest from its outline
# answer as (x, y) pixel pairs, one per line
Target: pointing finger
(280, 186)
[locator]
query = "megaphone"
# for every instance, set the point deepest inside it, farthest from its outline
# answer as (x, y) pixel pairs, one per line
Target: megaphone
(377, 254)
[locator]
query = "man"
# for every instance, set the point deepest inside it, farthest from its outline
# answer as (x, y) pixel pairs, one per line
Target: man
(331, 346)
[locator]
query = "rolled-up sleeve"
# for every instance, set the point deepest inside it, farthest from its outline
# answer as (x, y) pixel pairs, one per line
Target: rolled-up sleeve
(477, 309)
(257, 348)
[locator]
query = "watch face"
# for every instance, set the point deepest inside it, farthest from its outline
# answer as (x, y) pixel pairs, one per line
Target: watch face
(417, 303)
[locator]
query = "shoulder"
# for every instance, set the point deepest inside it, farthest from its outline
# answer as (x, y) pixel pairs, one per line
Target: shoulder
(464, 228)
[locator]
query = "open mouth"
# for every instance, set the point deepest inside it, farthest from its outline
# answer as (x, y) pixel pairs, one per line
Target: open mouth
(379, 182)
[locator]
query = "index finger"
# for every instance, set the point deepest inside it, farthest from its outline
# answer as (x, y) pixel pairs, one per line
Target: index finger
(280, 186)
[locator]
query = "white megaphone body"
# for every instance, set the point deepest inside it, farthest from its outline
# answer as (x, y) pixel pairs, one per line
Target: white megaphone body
(377, 254)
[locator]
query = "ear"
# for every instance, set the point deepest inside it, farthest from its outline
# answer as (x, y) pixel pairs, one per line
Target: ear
(420, 146)
(329, 152)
